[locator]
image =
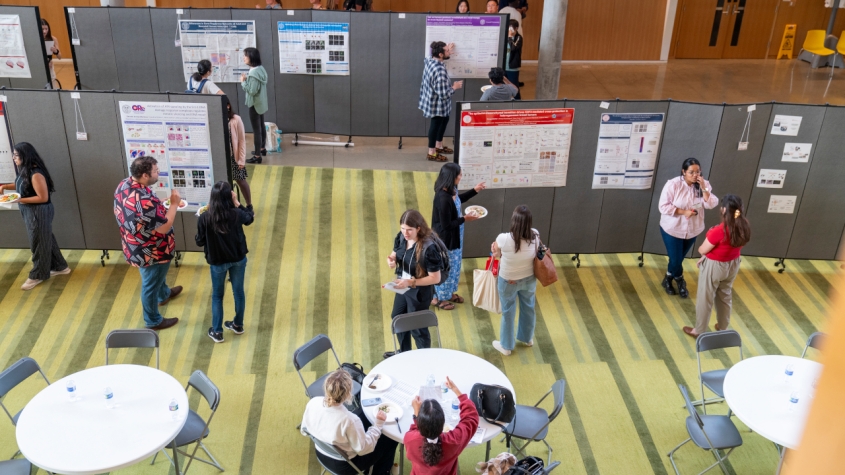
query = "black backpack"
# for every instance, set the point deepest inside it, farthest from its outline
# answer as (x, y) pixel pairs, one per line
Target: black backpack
(191, 90)
(528, 466)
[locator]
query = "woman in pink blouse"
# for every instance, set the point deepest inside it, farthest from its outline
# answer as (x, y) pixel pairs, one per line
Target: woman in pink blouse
(682, 204)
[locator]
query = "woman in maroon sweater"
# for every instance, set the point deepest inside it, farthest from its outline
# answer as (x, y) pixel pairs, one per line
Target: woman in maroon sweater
(431, 451)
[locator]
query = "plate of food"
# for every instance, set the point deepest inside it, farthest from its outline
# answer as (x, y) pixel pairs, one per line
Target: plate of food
(378, 382)
(392, 410)
(485, 88)
(182, 204)
(479, 211)
(10, 198)
(202, 210)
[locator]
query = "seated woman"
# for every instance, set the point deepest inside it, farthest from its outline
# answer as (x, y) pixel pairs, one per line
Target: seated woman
(328, 420)
(431, 451)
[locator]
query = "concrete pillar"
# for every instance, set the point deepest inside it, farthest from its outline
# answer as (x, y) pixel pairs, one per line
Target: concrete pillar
(551, 48)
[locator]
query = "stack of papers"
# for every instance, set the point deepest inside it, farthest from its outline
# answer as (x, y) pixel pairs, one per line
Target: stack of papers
(401, 393)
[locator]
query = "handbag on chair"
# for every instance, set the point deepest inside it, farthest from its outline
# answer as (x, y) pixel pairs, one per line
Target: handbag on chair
(494, 403)
(544, 267)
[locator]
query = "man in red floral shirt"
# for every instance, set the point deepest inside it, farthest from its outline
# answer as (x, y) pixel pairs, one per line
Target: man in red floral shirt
(146, 230)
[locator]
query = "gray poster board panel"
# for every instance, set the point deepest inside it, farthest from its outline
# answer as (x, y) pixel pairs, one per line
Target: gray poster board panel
(820, 219)
(472, 88)
(480, 233)
(407, 52)
(624, 213)
(691, 131)
(14, 235)
(95, 55)
(369, 73)
(48, 137)
(168, 56)
(332, 94)
(134, 52)
(33, 42)
(264, 27)
(539, 200)
(295, 111)
(777, 227)
(457, 96)
(208, 13)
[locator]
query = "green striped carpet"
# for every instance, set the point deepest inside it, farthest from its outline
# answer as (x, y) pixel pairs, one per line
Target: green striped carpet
(315, 266)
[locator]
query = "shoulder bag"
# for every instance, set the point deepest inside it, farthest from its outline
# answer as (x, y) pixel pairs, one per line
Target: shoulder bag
(494, 403)
(544, 267)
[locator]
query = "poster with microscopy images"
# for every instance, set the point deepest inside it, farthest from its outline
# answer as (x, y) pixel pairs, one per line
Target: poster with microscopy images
(771, 178)
(176, 135)
(627, 151)
(222, 42)
(314, 48)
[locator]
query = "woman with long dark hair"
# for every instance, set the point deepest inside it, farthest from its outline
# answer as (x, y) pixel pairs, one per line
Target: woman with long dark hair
(35, 186)
(719, 265)
(200, 83)
(463, 6)
(220, 232)
(682, 204)
(51, 49)
(254, 84)
(447, 221)
(418, 263)
(238, 163)
(430, 450)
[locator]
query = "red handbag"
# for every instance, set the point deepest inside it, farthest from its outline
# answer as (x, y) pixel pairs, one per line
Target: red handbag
(495, 265)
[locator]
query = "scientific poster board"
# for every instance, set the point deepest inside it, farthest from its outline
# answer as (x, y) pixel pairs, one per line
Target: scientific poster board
(13, 61)
(476, 39)
(314, 48)
(176, 135)
(626, 154)
(515, 148)
(7, 164)
(220, 41)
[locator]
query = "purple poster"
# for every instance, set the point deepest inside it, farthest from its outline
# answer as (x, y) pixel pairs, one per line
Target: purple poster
(476, 39)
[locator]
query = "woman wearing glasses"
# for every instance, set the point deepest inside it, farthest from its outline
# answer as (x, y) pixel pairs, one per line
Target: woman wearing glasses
(682, 205)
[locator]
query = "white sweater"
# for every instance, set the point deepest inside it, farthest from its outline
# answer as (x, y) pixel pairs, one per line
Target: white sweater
(336, 425)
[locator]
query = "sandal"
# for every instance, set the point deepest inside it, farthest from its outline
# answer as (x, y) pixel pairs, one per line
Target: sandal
(437, 157)
(446, 305)
(445, 150)
(456, 298)
(434, 302)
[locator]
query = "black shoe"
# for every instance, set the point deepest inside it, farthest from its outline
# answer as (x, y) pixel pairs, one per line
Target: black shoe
(238, 329)
(682, 287)
(165, 323)
(521, 84)
(667, 285)
(263, 151)
(254, 159)
(388, 354)
(249, 207)
(216, 336)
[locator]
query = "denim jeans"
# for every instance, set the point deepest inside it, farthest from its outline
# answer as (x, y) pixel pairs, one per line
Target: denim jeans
(236, 271)
(523, 289)
(677, 249)
(154, 289)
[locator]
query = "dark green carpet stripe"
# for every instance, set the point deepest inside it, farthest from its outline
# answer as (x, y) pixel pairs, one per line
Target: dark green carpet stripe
(484, 328)
(377, 324)
(323, 253)
(410, 189)
(11, 273)
(778, 292)
(741, 310)
(818, 280)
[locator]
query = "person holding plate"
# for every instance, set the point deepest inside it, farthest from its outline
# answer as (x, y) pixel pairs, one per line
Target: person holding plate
(35, 186)
(447, 221)
(328, 420)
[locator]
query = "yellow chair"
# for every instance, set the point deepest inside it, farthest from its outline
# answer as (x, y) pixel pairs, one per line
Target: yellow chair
(814, 43)
(840, 47)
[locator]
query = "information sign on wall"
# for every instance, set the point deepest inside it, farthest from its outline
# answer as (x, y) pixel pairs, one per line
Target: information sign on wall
(221, 42)
(314, 48)
(627, 151)
(13, 61)
(476, 41)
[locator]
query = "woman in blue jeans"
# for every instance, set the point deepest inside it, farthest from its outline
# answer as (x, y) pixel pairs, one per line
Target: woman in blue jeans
(517, 250)
(220, 232)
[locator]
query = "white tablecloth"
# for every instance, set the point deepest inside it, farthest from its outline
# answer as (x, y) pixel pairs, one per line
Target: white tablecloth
(85, 437)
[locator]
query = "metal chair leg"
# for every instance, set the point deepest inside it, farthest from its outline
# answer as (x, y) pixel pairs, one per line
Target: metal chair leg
(671, 455)
(550, 452)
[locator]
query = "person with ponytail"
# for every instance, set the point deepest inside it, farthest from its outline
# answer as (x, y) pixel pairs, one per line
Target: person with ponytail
(430, 450)
(200, 83)
(719, 265)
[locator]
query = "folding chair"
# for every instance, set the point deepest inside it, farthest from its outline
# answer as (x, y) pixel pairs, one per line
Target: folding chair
(334, 452)
(310, 351)
(139, 338)
(720, 434)
(196, 429)
(816, 341)
(15, 467)
(531, 423)
(714, 380)
(415, 321)
(552, 466)
(13, 376)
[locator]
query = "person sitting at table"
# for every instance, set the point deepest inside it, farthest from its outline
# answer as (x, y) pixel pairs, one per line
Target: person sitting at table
(430, 450)
(327, 419)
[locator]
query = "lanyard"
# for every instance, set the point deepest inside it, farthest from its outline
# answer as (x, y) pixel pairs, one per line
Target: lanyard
(409, 262)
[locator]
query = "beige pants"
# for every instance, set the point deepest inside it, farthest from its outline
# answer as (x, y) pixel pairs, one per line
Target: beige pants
(715, 282)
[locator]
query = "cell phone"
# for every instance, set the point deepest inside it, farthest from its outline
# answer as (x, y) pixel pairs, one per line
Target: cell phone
(371, 402)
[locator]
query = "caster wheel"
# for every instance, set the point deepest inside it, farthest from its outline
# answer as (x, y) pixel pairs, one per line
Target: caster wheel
(573, 259)
(777, 264)
(577, 266)
(780, 271)
(641, 264)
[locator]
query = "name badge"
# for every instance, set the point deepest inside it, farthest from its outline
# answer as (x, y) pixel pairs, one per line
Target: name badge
(406, 276)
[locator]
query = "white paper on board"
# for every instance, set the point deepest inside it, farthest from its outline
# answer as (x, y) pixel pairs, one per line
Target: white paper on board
(476, 39)
(290, 12)
(626, 154)
(752, 108)
(742, 146)
(796, 152)
(465, 106)
(13, 60)
(81, 136)
(771, 178)
(74, 95)
(71, 10)
(220, 41)
(75, 42)
(401, 15)
(314, 48)
(782, 204)
(179, 11)
(604, 105)
(3, 98)
(786, 125)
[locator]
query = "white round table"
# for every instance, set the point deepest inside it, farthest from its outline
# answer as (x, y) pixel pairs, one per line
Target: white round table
(85, 437)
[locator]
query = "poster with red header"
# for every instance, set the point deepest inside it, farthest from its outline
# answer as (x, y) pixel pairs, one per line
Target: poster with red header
(515, 148)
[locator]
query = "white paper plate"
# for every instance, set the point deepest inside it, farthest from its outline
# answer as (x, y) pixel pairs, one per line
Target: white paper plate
(381, 384)
(182, 204)
(15, 200)
(483, 210)
(393, 411)
(484, 88)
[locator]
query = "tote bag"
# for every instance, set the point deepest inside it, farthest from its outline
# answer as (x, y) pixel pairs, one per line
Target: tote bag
(544, 268)
(485, 292)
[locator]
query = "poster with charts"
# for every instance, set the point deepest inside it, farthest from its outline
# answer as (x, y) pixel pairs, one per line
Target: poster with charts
(314, 48)
(176, 135)
(220, 41)
(7, 164)
(515, 148)
(13, 61)
(627, 151)
(476, 39)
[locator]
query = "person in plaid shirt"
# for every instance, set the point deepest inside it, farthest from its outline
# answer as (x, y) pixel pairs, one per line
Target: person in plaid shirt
(146, 231)
(436, 98)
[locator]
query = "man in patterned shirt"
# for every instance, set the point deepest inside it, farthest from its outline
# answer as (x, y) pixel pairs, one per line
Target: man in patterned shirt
(146, 230)
(436, 98)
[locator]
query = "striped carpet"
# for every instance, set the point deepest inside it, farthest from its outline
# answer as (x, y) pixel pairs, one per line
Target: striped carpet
(315, 266)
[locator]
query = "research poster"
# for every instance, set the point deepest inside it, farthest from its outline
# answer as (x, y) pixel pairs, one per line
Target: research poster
(771, 178)
(221, 42)
(476, 41)
(314, 48)
(515, 148)
(627, 151)
(13, 62)
(7, 164)
(176, 135)
(797, 152)
(786, 125)
(784, 204)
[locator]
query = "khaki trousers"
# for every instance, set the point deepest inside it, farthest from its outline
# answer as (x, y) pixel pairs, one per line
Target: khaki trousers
(715, 282)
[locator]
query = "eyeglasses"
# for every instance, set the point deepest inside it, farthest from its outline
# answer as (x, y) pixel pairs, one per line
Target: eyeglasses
(694, 173)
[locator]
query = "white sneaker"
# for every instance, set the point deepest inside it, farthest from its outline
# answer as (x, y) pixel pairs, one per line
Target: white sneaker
(64, 271)
(30, 284)
(528, 343)
(500, 349)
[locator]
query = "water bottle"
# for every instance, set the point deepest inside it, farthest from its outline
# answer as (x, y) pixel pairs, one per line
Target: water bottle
(456, 412)
(431, 380)
(71, 390)
(787, 374)
(108, 394)
(793, 402)
(174, 409)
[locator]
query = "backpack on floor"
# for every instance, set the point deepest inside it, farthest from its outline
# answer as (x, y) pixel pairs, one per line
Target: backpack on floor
(273, 143)
(528, 466)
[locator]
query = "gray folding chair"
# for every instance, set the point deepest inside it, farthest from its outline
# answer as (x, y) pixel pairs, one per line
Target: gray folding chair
(15, 467)
(415, 321)
(815, 341)
(531, 423)
(714, 380)
(196, 429)
(713, 433)
(551, 467)
(137, 338)
(310, 351)
(14, 375)
(334, 452)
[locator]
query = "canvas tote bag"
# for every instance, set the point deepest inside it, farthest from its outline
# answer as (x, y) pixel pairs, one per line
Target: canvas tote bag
(485, 292)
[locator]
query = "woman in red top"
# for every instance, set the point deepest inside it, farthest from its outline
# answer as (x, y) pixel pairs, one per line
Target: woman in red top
(430, 450)
(719, 265)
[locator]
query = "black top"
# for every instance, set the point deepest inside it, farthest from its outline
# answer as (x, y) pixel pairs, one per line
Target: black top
(29, 192)
(515, 59)
(224, 248)
(406, 259)
(445, 221)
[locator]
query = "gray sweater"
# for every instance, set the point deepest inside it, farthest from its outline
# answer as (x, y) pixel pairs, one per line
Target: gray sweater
(500, 92)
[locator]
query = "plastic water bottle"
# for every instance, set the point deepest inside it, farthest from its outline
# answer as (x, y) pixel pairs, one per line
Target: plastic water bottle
(787, 374)
(71, 390)
(431, 380)
(793, 401)
(174, 409)
(454, 416)
(108, 394)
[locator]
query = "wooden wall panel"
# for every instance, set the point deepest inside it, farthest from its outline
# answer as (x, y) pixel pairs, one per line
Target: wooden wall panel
(589, 34)
(637, 30)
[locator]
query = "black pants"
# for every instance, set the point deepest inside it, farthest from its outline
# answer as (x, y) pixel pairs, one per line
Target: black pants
(381, 458)
(46, 255)
(413, 300)
(513, 77)
(259, 133)
(436, 130)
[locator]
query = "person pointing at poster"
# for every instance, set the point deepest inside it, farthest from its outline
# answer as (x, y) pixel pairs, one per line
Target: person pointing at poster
(436, 98)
